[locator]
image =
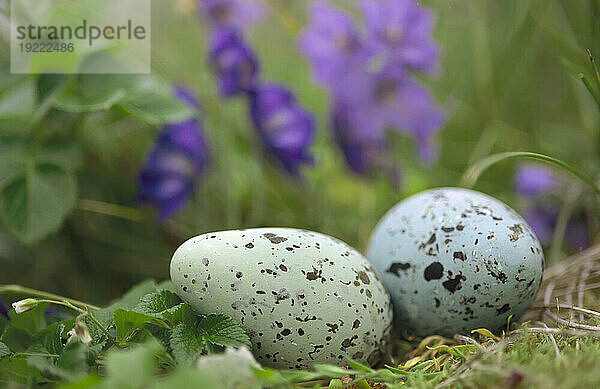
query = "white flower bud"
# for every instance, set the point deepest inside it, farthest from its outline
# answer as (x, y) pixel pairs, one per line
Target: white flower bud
(80, 333)
(24, 305)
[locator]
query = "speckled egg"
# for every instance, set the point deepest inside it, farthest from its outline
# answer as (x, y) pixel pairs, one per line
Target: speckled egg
(303, 297)
(454, 260)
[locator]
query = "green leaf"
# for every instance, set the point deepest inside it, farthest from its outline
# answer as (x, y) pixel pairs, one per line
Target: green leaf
(128, 322)
(17, 370)
(157, 302)
(66, 155)
(186, 346)
(37, 199)
(4, 350)
(222, 330)
(88, 382)
(31, 321)
(18, 101)
(70, 366)
(357, 365)
(187, 378)
(156, 107)
(132, 368)
(50, 338)
(74, 98)
(182, 313)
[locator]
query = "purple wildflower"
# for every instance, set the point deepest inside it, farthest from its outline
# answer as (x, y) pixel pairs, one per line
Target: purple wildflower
(331, 42)
(543, 219)
(402, 30)
(361, 155)
(534, 180)
(231, 13)
(369, 79)
(233, 61)
(4, 310)
(285, 128)
(178, 156)
(390, 99)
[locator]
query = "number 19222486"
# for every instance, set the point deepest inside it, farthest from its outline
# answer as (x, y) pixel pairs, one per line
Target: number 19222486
(46, 47)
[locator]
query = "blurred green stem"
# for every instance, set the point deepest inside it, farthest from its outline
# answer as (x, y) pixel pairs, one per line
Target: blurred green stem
(473, 173)
(287, 19)
(109, 209)
(562, 223)
(22, 290)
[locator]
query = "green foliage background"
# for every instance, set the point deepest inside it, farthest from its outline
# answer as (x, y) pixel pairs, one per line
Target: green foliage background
(508, 81)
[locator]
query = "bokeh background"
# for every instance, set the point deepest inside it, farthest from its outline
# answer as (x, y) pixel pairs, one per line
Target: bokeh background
(508, 80)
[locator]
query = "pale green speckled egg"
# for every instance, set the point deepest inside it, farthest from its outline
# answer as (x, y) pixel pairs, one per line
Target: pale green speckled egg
(303, 297)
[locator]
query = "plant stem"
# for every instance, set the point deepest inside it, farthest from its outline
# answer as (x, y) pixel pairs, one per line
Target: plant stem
(64, 304)
(472, 174)
(109, 209)
(96, 322)
(38, 355)
(286, 18)
(18, 289)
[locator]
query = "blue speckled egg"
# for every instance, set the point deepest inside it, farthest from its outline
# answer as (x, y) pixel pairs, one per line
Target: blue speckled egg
(454, 260)
(303, 297)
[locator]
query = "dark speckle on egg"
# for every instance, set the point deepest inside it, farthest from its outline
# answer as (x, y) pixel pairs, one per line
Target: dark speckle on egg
(434, 271)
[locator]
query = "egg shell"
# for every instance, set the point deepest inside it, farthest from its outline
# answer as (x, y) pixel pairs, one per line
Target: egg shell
(454, 260)
(302, 297)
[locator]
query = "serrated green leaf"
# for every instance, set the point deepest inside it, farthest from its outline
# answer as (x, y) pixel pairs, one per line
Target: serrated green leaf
(129, 322)
(186, 346)
(223, 331)
(50, 338)
(157, 302)
(182, 313)
(4, 350)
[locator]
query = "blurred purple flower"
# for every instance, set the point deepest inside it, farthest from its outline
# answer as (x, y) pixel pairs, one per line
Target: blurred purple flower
(543, 220)
(187, 96)
(401, 29)
(331, 42)
(231, 13)
(4, 310)
(390, 99)
(361, 155)
(534, 180)
(234, 61)
(174, 163)
(285, 128)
